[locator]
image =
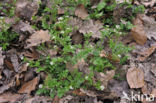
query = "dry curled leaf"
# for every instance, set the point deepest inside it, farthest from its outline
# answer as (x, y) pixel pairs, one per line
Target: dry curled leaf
(138, 32)
(37, 38)
(29, 86)
(9, 97)
(149, 26)
(146, 53)
(26, 9)
(135, 78)
(81, 11)
(22, 27)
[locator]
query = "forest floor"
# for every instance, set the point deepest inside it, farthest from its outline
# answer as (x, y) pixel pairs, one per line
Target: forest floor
(77, 51)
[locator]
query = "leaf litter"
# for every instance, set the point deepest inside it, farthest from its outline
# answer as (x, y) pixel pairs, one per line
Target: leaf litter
(15, 75)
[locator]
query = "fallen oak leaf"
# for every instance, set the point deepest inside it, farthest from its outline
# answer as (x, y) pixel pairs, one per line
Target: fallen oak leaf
(29, 86)
(81, 11)
(135, 78)
(146, 53)
(37, 38)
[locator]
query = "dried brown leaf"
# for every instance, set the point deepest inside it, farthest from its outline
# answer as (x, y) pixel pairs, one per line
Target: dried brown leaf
(37, 38)
(9, 97)
(147, 53)
(78, 92)
(149, 26)
(105, 78)
(138, 32)
(93, 27)
(56, 99)
(60, 11)
(15, 63)
(26, 9)
(135, 78)
(24, 29)
(154, 92)
(29, 86)
(81, 11)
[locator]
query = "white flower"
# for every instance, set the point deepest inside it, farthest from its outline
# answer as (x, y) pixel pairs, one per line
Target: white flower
(119, 56)
(86, 77)
(22, 57)
(62, 32)
(71, 87)
(53, 37)
(71, 47)
(58, 22)
(60, 18)
(68, 28)
(40, 86)
(102, 87)
(27, 64)
(117, 26)
(120, 33)
(67, 16)
(55, 46)
(51, 63)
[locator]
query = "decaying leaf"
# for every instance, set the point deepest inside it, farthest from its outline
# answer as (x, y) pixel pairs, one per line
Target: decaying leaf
(15, 63)
(26, 9)
(23, 28)
(154, 92)
(135, 78)
(1, 59)
(93, 27)
(149, 26)
(87, 27)
(37, 38)
(81, 11)
(60, 11)
(66, 99)
(138, 32)
(32, 55)
(29, 86)
(9, 97)
(77, 38)
(147, 3)
(81, 65)
(78, 92)
(146, 53)
(38, 99)
(56, 99)
(6, 86)
(105, 78)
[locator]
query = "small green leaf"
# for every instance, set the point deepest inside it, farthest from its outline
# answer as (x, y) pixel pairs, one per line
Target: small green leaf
(101, 6)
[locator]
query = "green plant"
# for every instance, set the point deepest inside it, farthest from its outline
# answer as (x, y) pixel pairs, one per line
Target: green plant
(6, 35)
(8, 8)
(60, 80)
